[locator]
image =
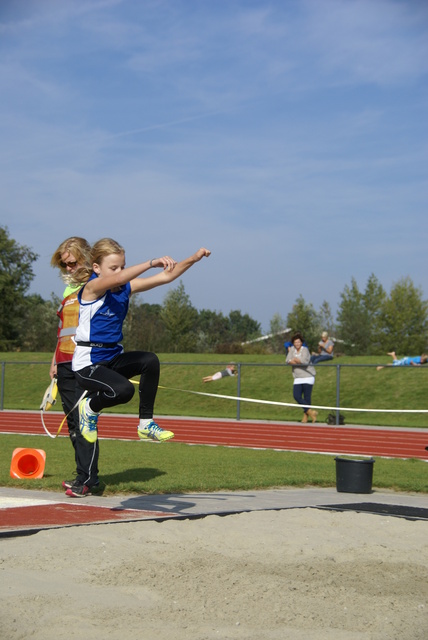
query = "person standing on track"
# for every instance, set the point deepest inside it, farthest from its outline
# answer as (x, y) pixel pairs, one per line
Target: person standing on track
(99, 362)
(71, 257)
(298, 357)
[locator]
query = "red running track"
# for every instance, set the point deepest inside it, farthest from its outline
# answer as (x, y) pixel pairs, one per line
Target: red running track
(366, 441)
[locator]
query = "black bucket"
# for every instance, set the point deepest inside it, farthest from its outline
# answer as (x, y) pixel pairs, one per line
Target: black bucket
(354, 476)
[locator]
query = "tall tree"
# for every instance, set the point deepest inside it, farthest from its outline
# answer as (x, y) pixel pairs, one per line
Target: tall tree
(180, 320)
(277, 329)
(16, 274)
(38, 330)
(305, 319)
(243, 327)
(404, 317)
(144, 328)
(213, 330)
(277, 323)
(373, 300)
(353, 320)
(326, 320)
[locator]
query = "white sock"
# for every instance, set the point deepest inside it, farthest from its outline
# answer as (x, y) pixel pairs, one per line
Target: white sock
(144, 422)
(88, 409)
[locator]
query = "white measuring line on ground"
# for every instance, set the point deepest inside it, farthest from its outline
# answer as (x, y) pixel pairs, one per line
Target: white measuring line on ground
(289, 404)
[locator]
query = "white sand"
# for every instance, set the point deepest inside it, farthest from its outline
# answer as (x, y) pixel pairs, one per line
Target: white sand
(302, 574)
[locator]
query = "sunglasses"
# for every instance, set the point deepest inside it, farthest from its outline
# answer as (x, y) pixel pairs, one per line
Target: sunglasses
(72, 264)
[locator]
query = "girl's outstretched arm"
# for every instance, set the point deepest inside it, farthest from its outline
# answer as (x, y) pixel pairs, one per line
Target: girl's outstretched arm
(115, 274)
(168, 275)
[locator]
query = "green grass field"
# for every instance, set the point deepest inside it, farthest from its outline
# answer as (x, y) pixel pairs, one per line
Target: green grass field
(173, 467)
(137, 467)
(262, 377)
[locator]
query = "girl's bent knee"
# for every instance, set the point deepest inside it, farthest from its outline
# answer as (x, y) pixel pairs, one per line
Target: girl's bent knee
(151, 363)
(126, 393)
(154, 361)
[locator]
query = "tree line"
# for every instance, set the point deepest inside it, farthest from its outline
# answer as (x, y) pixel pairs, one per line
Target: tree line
(368, 322)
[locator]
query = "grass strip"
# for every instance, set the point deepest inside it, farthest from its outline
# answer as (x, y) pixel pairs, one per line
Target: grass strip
(149, 468)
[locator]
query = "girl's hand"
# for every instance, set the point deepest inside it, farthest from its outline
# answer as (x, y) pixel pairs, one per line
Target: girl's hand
(202, 253)
(166, 262)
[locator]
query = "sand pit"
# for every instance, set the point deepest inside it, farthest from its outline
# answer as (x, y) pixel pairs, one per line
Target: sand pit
(302, 574)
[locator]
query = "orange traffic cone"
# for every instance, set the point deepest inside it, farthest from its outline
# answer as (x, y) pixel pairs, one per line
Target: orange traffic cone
(28, 463)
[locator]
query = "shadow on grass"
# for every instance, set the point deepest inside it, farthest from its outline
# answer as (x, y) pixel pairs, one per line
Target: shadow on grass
(142, 474)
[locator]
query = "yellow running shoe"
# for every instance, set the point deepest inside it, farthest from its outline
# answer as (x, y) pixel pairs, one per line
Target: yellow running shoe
(87, 422)
(154, 432)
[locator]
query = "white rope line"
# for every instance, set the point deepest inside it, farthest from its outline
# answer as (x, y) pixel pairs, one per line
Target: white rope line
(291, 404)
(63, 420)
(45, 427)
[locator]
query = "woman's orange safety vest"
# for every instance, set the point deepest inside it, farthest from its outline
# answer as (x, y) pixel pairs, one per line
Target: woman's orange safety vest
(68, 313)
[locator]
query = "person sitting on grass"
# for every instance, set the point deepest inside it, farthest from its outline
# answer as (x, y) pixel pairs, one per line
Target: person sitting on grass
(408, 361)
(325, 350)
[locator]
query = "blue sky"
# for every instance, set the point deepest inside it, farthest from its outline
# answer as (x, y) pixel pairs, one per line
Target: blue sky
(288, 136)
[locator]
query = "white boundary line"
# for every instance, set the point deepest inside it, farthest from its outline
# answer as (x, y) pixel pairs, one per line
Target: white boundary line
(291, 404)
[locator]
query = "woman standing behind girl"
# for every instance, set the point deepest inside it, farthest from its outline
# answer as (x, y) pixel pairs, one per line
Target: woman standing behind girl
(72, 258)
(72, 255)
(304, 375)
(100, 364)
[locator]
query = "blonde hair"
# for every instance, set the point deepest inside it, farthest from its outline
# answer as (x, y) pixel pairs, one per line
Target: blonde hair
(105, 247)
(100, 250)
(81, 250)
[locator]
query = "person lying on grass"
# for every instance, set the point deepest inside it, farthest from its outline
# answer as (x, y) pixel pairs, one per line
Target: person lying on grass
(229, 371)
(408, 361)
